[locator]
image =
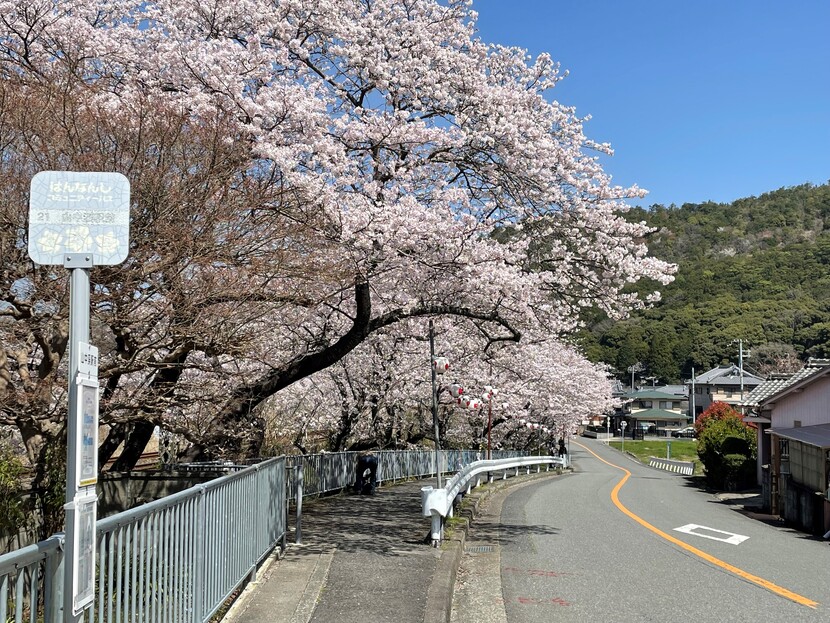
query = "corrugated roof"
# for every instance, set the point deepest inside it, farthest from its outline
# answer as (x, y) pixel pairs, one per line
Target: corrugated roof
(818, 435)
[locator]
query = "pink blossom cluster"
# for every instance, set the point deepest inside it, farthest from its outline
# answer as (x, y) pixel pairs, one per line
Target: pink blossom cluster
(399, 152)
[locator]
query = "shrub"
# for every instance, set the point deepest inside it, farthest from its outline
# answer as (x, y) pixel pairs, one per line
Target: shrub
(12, 515)
(727, 448)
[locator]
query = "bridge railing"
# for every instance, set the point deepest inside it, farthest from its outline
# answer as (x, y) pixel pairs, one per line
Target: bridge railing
(181, 557)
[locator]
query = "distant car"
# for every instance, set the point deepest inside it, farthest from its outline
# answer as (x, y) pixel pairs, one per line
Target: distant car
(689, 431)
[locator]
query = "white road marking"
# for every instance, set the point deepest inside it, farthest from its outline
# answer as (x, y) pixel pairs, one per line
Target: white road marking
(727, 537)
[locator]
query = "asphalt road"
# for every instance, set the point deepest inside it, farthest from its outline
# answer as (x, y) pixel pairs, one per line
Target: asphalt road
(564, 550)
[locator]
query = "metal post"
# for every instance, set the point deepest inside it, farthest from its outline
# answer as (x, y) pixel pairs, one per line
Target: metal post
(741, 367)
(623, 424)
(200, 558)
(298, 533)
(692, 405)
(434, 401)
(489, 426)
(78, 332)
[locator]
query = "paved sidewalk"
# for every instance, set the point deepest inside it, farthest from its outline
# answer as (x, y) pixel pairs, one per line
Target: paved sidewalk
(364, 559)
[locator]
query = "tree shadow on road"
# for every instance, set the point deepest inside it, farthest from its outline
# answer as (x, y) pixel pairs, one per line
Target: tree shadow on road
(386, 523)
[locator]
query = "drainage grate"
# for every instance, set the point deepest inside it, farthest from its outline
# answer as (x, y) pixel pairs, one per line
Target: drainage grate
(479, 549)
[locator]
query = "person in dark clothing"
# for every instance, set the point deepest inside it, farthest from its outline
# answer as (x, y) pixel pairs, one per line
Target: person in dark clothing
(367, 471)
(563, 451)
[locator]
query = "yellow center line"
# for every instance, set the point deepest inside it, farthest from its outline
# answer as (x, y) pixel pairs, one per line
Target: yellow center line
(697, 552)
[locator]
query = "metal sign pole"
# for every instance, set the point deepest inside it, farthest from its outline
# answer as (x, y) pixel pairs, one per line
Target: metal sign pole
(79, 264)
(77, 220)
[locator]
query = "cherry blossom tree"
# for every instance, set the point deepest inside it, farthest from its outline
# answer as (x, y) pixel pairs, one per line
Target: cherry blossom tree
(386, 402)
(305, 175)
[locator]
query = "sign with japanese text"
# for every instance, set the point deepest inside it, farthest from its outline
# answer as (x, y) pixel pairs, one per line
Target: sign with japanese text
(84, 510)
(88, 452)
(87, 359)
(74, 212)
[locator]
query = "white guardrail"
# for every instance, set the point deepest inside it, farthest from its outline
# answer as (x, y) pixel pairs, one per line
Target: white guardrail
(438, 503)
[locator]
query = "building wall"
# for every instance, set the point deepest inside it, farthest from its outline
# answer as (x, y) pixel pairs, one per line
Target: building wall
(808, 407)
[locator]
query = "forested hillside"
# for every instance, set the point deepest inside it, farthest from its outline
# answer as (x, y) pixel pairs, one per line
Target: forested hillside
(756, 270)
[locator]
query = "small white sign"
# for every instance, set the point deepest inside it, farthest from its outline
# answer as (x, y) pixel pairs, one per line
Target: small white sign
(79, 212)
(87, 453)
(84, 509)
(87, 359)
(712, 533)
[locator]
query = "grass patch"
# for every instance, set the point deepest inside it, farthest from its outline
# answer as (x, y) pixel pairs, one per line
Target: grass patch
(681, 450)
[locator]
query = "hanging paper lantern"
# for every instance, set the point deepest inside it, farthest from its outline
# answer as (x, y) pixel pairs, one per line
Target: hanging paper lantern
(441, 365)
(456, 390)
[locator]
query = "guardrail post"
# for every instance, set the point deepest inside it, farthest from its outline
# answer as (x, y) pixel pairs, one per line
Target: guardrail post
(437, 530)
(259, 495)
(53, 585)
(299, 531)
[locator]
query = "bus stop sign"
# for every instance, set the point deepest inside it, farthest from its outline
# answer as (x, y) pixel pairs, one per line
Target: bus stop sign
(75, 212)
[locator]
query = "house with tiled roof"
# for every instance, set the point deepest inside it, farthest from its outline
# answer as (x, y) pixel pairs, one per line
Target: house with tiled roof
(729, 384)
(655, 410)
(793, 422)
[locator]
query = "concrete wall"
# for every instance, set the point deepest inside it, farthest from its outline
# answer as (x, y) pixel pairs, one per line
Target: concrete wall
(119, 492)
(122, 491)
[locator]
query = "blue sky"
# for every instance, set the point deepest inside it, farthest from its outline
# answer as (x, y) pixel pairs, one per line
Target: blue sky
(701, 100)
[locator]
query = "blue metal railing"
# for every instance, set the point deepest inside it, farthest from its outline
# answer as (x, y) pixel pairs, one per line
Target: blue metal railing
(181, 557)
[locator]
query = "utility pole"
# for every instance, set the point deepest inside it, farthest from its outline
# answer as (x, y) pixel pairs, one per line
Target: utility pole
(692, 401)
(434, 400)
(741, 368)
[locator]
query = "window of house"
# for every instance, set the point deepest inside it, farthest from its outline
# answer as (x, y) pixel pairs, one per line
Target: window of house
(698, 390)
(796, 423)
(646, 404)
(665, 404)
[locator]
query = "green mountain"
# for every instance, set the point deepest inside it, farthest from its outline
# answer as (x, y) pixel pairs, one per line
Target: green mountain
(756, 270)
